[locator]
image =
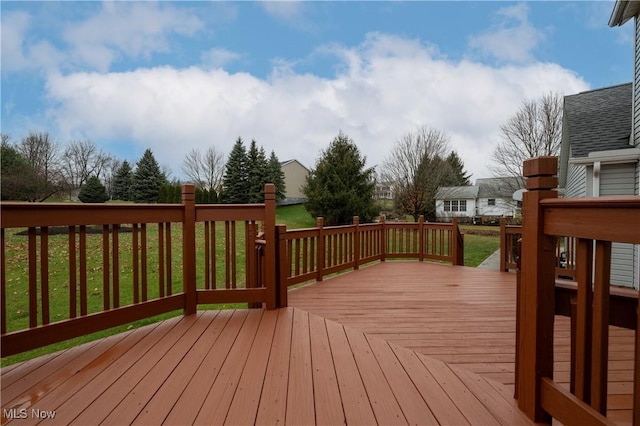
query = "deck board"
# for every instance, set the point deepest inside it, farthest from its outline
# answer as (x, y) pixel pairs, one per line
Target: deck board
(296, 366)
(462, 316)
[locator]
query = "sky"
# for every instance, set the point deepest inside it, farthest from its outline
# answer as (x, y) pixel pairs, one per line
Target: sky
(177, 76)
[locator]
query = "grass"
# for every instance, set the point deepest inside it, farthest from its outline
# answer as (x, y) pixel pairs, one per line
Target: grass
(477, 248)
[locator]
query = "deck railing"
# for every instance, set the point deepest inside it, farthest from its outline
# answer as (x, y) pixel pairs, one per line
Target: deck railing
(313, 253)
(565, 259)
(171, 257)
(544, 219)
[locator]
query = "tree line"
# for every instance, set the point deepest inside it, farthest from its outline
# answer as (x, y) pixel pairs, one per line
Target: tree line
(37, 168)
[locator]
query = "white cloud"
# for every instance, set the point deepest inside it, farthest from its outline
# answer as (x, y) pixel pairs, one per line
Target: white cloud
(218, 57)
(512, 39)
(292, 13)
(387, 87)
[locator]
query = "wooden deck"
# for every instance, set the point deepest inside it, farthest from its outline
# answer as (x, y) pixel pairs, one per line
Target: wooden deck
(249, 366)
(464, 317)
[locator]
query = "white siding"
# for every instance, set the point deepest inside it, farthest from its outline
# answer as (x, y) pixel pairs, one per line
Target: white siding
(441, 215)
(636, 85)
(619, 179)
(576, 182)
(502, 207)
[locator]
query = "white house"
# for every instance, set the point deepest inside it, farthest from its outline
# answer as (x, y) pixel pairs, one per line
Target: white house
(295, 176)
(487, 200)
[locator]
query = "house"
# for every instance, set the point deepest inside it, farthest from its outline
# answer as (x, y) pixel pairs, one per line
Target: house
(295, 176)
(486, 201)
(383, 191)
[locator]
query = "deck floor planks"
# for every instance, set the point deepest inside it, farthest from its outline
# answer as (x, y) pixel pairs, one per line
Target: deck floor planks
(273, 404)
(216, 405)
(190, 401)
(326, 395)
(244, 407)
(167, 395)
(300, 403)
(112, 394)
(131, 405)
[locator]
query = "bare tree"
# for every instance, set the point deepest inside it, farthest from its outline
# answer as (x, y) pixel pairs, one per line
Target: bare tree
(205, 170)
(535, 130)
(82, 159)
(42, 154)
(110, 173)
(416, 167)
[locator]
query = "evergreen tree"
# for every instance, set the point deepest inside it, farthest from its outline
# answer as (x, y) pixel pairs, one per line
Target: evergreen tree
(122, 182)
(457, 174)
(235, 181)
(275, 175)
(256, 173)
(147, 179)
(19, 180)
(340, 186)
(93, 191)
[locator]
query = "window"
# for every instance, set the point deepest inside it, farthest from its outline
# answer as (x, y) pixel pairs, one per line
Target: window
(454, 205)
(447, 206)
(491, 202)
(463, 205)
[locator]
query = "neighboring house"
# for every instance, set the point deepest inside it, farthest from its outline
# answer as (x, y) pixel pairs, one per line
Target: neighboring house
(383, 191)
(295, 176)
(486, 201)
(600, 153)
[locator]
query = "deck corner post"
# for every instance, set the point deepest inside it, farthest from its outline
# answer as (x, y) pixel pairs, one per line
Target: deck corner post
(189, 249)
(503, 244)
(421, 238)
(383, 238)
(283, 265)
(458, 258)
(356, 243)
(320, 250)
(536, 296)
(271, 247)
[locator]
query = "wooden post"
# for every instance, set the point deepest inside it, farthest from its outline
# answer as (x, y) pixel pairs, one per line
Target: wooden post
(284, 264)
(536, 310)
(320, 251)
(636, 380)
(271, 247)
(455, 235)
(421, 238)
(356, 243)
(503, 244)
(383, 239)
(189, 249)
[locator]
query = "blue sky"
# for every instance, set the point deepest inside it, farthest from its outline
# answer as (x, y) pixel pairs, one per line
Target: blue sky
(173, 76)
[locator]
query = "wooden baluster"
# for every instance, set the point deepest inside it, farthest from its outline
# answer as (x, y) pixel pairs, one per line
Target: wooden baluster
(115, 249)
(82, 248)
(584, 303)
(356, 243)
(207, 256)
(73, 267)
(44, 273)
(136, 264)
(321, 250)
(169, 272)
(600, 341)
(106, 252)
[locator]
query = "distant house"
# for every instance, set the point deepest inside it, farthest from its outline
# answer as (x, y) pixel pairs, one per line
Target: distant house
(486, 201)
(600, 157)
(295, 176)
(383, 191)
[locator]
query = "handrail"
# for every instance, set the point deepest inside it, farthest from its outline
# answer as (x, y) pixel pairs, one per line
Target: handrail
(545, 217)
(148, 266)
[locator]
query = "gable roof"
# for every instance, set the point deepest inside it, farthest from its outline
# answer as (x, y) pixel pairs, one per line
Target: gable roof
(292, 161)
(598, 120)
(457, 192)
(501, 187)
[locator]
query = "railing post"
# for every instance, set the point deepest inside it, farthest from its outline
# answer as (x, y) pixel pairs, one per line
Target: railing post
(271, 247)
(536, 301)
(421, 238)
(503, 244)
(189, 249)
(284, 264)
(383, 239)
(356, 243)
(455, 235)
(320, 251)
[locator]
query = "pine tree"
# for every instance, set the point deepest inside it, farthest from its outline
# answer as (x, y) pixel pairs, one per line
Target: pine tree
(147, 179)
(93, 191)
(256, 173)
(275, 175)
(340, 186)
(457, 175)
(235, 181)
(122, 182)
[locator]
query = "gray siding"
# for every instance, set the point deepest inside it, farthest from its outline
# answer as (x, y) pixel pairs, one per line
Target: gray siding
(636, 85)
(619, 179)
(576, 182)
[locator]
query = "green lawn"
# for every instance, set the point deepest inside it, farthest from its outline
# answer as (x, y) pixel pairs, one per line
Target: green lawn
(477, 248)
